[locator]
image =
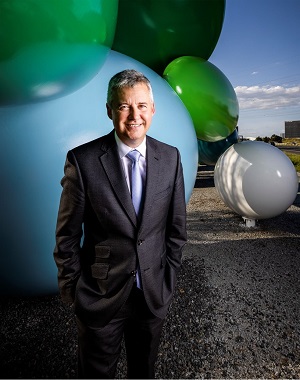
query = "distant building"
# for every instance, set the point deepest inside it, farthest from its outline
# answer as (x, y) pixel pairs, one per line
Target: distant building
(292, 129)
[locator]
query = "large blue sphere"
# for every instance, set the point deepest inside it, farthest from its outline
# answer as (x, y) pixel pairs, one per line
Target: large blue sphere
(34, 140)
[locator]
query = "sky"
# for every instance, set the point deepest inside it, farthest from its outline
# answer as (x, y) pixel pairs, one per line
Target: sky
(259, 52)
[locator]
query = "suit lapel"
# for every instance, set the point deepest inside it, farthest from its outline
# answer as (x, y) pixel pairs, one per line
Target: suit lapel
(152, 177)
(115, 173)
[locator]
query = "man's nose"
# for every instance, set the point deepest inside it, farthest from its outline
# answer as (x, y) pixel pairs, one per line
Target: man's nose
(134, 112)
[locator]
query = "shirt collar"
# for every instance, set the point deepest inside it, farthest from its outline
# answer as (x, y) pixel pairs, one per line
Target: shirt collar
(123, 149)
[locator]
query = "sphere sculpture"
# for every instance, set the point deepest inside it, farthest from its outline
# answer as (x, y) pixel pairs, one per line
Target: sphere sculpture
(34, 140)
(209, 152)
(165, 30)
(207, 94)
(50, 48)
(256, 180)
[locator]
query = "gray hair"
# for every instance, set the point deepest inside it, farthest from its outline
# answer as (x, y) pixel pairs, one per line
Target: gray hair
(126, 78)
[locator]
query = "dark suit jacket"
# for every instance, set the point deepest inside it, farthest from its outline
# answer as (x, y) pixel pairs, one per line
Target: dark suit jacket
(97, 272)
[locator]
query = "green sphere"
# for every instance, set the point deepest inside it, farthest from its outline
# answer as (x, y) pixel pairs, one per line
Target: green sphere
(155, 32)
(50, 48)
(207, 94)
(209, 152)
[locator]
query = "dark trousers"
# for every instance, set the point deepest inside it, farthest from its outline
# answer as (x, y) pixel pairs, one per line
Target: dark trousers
(99, 348)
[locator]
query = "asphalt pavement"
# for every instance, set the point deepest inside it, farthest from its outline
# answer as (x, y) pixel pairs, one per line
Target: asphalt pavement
(235, 314)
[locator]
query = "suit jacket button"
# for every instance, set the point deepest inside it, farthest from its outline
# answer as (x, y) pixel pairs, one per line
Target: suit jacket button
(140, 242)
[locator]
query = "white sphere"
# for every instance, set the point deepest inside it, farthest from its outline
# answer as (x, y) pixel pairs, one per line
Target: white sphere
(256, 180)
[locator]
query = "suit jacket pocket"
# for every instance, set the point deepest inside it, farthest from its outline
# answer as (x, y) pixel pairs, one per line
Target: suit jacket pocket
(102, 252)
(100, 271)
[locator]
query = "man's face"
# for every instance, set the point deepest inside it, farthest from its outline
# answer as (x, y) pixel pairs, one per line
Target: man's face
(131, 113)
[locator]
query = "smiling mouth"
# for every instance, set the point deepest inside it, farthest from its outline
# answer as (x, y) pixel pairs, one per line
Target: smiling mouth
(134, 125)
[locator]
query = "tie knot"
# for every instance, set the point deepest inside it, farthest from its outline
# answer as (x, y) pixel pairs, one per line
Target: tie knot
(134, 155)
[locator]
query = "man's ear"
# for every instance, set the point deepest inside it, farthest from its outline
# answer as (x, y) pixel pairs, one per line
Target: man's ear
(153, 109)
(109, 111)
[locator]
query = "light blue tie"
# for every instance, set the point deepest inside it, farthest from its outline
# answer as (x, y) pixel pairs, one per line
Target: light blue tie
(136, 193)
(136, 181)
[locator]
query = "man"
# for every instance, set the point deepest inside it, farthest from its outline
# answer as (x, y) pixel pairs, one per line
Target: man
(121, 278)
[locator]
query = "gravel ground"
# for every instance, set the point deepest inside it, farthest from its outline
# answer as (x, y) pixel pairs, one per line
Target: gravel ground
(236, 312)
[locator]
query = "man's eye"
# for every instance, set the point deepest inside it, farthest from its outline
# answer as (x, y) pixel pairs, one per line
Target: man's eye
(123, 108)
